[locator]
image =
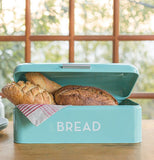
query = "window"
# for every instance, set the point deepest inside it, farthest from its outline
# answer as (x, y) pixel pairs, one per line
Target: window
(80, 31)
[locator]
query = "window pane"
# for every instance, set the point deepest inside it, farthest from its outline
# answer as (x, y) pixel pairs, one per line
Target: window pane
(50, 17)
(93, 51)
(11, 54)
(147, 107)
(136, 17)
(140, 54)
(12, 17)
(50, 52)
(93, 17)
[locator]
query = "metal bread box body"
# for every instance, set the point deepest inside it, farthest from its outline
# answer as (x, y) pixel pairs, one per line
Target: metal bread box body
(85, 124)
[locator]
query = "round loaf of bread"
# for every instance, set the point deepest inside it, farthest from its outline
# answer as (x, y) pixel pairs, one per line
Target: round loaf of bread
(83, 95)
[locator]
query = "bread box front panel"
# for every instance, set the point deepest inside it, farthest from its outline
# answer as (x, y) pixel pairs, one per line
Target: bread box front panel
(83, 124)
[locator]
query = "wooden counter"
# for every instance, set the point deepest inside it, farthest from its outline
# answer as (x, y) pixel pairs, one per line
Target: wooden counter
(144, 150)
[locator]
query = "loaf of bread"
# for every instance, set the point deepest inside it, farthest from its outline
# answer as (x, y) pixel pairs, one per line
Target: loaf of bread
(42, 81)
(83, 95)
(27, 93)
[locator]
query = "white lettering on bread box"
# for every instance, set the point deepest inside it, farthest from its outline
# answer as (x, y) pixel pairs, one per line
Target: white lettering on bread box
(78, 126)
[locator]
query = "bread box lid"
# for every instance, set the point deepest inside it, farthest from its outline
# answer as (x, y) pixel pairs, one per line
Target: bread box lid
(117, 79)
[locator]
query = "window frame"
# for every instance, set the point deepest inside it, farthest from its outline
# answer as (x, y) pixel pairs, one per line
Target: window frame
(115, 38)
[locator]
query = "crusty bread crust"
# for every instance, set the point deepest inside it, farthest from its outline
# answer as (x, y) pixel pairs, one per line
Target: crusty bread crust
(39, 79)
(83, 95)
(27, 93)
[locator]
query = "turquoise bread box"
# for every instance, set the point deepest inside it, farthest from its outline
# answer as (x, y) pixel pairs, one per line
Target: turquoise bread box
(89, 124)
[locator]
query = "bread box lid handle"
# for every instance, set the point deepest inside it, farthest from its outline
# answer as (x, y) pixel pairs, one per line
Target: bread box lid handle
(76, 66)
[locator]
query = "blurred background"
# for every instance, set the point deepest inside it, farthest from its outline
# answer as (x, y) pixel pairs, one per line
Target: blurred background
(92, 17)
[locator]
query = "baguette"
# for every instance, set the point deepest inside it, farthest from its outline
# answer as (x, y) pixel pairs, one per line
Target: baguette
(27, 93)
(83, 95)
(39, 79)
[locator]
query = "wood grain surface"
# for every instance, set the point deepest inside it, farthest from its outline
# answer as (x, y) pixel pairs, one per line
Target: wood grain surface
(12, 151)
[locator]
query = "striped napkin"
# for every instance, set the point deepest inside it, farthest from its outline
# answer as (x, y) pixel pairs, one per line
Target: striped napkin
(38, 113)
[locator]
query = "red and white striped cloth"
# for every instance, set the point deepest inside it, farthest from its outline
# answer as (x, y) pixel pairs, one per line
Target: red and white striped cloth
(39, 113)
